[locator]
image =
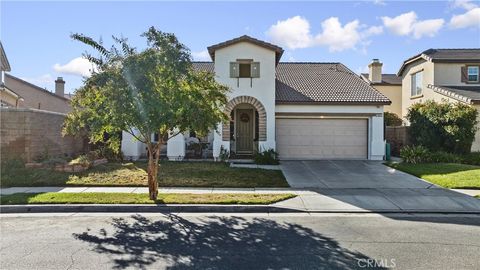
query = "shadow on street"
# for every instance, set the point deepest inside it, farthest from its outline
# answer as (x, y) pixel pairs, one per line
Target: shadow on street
(217, 243)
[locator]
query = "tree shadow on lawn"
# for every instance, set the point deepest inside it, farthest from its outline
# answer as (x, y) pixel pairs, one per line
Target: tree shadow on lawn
(217, 243)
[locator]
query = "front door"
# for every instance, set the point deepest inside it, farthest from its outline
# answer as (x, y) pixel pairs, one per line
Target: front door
(244, 131)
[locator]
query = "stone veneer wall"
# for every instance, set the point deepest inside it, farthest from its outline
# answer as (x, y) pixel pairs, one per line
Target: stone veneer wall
(29, 133)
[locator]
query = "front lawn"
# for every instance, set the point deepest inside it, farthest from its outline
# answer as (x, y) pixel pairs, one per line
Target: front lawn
(131, 198)
(171, 174)
(448, 175)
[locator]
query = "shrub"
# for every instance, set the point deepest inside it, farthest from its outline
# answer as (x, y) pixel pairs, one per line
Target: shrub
(444, 157)
(82, 160)
(471, 158)
(224, 154)
(415, 154)
(392, 119)
(443, 126)
(266, 157)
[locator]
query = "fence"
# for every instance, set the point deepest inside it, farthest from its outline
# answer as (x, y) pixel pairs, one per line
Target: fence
(30, 133)
(397, 137)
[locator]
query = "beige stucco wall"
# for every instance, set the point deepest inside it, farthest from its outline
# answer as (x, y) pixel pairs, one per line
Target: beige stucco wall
(394, 93)
(36, 98)
(6, 97)
(476, 142)
(450, 73)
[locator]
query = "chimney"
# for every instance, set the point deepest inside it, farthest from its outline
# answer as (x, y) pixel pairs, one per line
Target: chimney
(60, 87)
(375, 71)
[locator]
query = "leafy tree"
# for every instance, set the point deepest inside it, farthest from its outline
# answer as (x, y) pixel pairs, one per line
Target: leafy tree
(392, 119)
(443, 126)
(155, 90)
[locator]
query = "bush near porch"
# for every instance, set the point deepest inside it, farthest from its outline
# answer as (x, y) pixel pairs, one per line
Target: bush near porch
(443, 126)
(171, 174)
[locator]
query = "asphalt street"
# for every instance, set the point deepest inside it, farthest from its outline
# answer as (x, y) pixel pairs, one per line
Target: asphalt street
(248, 241)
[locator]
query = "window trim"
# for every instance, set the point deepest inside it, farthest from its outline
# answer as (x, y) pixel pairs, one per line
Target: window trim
(416, 94)
(478, 74)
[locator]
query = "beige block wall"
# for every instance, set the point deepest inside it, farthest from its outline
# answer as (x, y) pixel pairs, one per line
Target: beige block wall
(28, 133)
(36, 98)
(394, 93)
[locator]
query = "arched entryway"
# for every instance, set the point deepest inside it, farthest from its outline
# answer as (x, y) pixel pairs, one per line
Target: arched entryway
(247, 125)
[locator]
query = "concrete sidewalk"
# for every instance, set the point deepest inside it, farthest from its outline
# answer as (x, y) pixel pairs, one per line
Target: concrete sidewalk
(395, 200)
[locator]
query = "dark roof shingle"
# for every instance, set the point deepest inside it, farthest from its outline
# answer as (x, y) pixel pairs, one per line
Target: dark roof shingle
(387, 79)
(331, 83)
(471, 55)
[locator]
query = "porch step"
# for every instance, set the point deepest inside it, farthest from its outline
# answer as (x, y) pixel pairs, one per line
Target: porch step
(241, 161)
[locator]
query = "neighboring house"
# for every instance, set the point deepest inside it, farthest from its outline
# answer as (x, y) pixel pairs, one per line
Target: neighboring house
(8, 98)
(302, 110)
(388, 84)
(35, 97)
(450, 75)
(17, 93)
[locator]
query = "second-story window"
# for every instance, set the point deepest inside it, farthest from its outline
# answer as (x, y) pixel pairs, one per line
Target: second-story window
(472, 73)
(416, 87)
(244, 69)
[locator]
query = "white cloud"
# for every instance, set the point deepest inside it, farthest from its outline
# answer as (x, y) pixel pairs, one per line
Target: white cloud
(336, 37)
(379, 2)
(373, 30)
(44, 79)
(427, 28)
(469, 18)
(402, 24)
(407, 23)
(78, 66)
(201, 56)
(465, 4)
(294, 33)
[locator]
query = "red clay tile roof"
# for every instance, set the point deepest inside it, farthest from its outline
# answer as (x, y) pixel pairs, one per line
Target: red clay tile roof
(317, 83)
(278, 50)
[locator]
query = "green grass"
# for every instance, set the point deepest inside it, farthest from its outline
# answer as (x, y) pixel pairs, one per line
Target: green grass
(448, 175)
(131, 198)
(171, 174)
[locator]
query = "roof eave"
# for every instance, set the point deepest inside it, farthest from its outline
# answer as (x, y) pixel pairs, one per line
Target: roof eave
(379, 103)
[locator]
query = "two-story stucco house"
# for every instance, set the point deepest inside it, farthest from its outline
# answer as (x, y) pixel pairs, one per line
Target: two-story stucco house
(302, 110)
(450, 75)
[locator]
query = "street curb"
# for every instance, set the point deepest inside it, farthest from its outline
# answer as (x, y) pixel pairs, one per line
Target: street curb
(174, 208)
(145, 208)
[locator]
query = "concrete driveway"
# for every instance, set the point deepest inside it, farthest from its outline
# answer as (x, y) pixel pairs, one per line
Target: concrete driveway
(334, 185)
(347, 174)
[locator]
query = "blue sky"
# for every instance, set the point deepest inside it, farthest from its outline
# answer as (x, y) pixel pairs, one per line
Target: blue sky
(35, 35)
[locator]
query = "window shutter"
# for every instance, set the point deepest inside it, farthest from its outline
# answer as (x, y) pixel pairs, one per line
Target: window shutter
(234, 70)
(464, 74)
(255, 69)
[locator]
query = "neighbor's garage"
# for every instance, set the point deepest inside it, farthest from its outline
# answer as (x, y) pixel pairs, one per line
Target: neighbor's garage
(322, 138)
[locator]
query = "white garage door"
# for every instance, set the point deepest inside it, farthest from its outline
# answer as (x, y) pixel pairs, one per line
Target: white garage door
(321, 138)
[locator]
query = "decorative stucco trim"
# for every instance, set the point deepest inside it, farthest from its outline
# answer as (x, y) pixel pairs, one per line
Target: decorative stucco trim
(262, 116)
(449, 94)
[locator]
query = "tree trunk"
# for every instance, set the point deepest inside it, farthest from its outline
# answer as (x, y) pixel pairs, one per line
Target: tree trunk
(152, 170)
